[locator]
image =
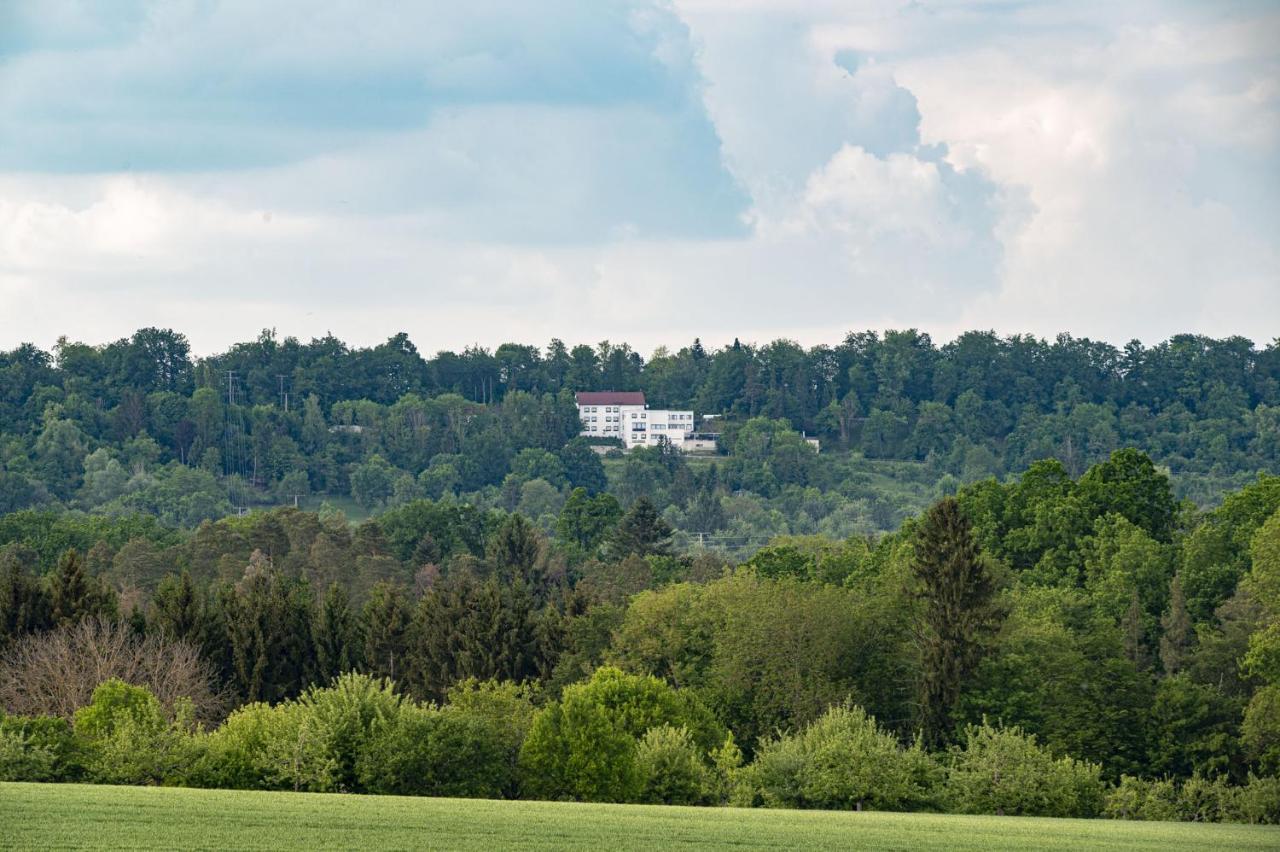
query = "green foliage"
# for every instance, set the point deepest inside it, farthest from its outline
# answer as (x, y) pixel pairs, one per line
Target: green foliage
(671, 769)
(129, 740)
(584, 746)
(959, 614)
(425, 751)
(38, 748)
(841, 761)
(1003, 771)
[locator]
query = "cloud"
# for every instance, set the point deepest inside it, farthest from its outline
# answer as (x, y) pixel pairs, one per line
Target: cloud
(637, 170)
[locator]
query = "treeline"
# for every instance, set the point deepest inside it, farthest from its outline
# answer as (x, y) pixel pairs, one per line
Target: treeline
(1133, 637)
(142, 425)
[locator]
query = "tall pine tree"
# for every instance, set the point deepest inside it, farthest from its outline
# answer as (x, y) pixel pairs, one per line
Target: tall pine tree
(336, 634)
(958, 614)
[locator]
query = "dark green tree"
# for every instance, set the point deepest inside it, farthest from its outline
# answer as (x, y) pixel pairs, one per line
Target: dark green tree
(24, 605)
(641, 532)
(958, 614)
(336, 635)
(386, 619)
(74, 595)
(1178, 634)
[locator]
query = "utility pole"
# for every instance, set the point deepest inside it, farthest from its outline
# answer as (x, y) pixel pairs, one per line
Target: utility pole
(284, 395)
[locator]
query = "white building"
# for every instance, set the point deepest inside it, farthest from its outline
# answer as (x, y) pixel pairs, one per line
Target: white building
(624, 415)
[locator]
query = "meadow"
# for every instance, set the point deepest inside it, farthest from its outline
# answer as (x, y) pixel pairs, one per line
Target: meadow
(67, 816)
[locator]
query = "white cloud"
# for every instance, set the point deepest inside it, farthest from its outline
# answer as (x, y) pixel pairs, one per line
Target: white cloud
(1105, 169)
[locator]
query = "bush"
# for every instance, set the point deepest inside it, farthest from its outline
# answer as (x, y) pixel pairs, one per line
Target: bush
(425, 751)
(585, 746)
(128, 740)
(261, 747)
(843, 760)
(1256, 802)
(1003, 771)
(1196, 799)
(507, 709)
(345, 715)
(671, 770)
(38, 748)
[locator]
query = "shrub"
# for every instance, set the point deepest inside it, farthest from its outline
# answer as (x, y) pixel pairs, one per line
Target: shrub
(1257, 802)
(1004, 771)
(671, 770)
(261, 747)
(843, 760)
(344, 715)
(584, 746)
(1196, 799)
(507, 709)
(425, 751)
(128, 739)
(38, 748)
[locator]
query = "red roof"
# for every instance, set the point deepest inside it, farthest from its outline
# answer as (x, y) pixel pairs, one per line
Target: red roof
(610, 397)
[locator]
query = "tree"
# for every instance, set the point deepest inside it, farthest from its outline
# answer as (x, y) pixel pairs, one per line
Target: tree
(56, 672)
(465, 628)
(585, 520)
(24, 604)
(641, 532)
(386, 618)
(585, 745)
(177, 609)
(74, 595)
(582, 466)
(336, 635)
(1177, 638)
(958, 614)
(514, 551)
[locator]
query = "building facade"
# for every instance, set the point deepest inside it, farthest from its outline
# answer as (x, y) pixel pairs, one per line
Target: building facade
(625, 416)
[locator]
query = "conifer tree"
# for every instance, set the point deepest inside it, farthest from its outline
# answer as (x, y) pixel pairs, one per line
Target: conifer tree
(386, 627)
(642, 532)
(958, 615)
(514, 549)
(1175, 641)
(336, 635)
(73, 594)
(24, 604)
(177, 610)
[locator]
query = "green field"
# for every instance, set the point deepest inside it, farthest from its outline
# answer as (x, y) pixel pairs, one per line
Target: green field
(67, 816)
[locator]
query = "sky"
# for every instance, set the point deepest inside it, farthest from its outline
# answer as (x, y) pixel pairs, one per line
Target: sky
(639, 171)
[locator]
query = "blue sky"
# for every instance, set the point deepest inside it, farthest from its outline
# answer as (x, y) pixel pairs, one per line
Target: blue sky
(641, 171)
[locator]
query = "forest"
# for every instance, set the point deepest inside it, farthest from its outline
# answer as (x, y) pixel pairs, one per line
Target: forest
(1019, 578)
(141, 426)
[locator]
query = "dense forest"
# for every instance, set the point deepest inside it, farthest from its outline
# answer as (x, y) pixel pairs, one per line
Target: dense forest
(141, 426)
(978, 597)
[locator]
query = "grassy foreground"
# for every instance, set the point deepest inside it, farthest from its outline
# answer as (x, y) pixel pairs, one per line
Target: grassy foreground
(62, 816)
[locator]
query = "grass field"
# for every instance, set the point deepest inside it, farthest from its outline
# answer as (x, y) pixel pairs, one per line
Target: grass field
(67, 816)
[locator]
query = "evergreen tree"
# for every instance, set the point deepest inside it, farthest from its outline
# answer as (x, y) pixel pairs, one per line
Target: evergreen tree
(177, 610)
(642, 532)
(1176, 640)
(74, 595)
(426, 551)
(386, 626)
(958, 615)
(466, 628)
(514, 549)
(1135, 639)
(268, 628)
(24, 604)
(336, 635)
